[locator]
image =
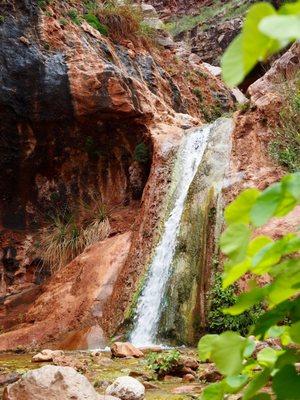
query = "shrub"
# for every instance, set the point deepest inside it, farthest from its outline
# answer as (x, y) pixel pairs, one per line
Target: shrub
(285, 148)
(73, 14)
(70, 232)
(163, 363)
(220, 298)
(141, 153)
(95, 23)
(2, 19)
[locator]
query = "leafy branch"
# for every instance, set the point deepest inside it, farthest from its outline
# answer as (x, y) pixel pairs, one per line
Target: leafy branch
(265, 32)
(233, 354)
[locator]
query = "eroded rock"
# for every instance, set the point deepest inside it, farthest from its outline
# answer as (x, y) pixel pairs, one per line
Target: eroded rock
(126, 388)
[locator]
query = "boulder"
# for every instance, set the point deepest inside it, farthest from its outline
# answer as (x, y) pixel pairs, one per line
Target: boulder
(126, 349)
(52, 383)
(47, 355)
(126, 388)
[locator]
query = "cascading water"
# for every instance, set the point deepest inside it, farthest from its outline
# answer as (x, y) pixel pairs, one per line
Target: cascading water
(149, 305)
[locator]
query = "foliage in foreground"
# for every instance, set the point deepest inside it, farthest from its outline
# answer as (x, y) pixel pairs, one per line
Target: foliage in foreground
(232, 353)
(265, 32)
(285, 148)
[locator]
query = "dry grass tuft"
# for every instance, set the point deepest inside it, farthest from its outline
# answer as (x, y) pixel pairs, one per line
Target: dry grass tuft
(124, 21)
(285, 148)
(69, 233)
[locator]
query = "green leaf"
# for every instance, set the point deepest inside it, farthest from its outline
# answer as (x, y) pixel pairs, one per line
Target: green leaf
(267, 357)
(255, 43)
(234, 271)
(215, 391)
(257, 244)
(234, 384)
(266, 205)
(286, 383)
(238, 211)
(228, 353)
(291, 184)
(246, 301)
(205, 346)
(288, 356)
(258, 382)
(275, 331)
(281, 27)
(295, 332)
(275, 315)
(250, 347)
(290, 8)
(232, 63)
(234, 241)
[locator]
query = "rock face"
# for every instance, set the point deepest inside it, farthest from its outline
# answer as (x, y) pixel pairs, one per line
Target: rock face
(52, 383)
(74, 108)
(120, 350)
(66, 297)
(127, 388)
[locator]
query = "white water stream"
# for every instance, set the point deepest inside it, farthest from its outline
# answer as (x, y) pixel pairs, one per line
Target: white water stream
(150, 303)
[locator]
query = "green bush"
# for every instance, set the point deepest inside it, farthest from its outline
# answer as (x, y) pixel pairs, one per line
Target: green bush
(220, 298)
(141, 153)
(73, 14)
(95, 23)
(162, 363)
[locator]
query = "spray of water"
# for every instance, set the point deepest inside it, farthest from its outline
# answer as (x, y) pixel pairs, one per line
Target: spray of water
(150, 303)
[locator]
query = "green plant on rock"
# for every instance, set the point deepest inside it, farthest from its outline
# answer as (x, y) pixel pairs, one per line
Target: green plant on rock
(141, 153)
(265, 32)
(162, 363)
(71, 231)
(73, 14)
(285, 147)
(220, 298)
(233, 354)
(93, 20)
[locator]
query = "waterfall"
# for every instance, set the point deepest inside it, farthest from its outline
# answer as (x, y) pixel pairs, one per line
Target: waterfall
(150, 303)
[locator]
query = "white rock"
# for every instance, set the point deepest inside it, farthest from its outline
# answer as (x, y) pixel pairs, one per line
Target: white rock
(126, 388)
(47, 355)
(52, 383)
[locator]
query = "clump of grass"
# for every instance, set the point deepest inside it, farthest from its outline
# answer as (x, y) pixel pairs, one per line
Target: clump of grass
(73, 14)
(63, 21)
(70, 232)
(43, 3)
(2, 19)
(124, 21)
(285, 148)
(93, 20)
